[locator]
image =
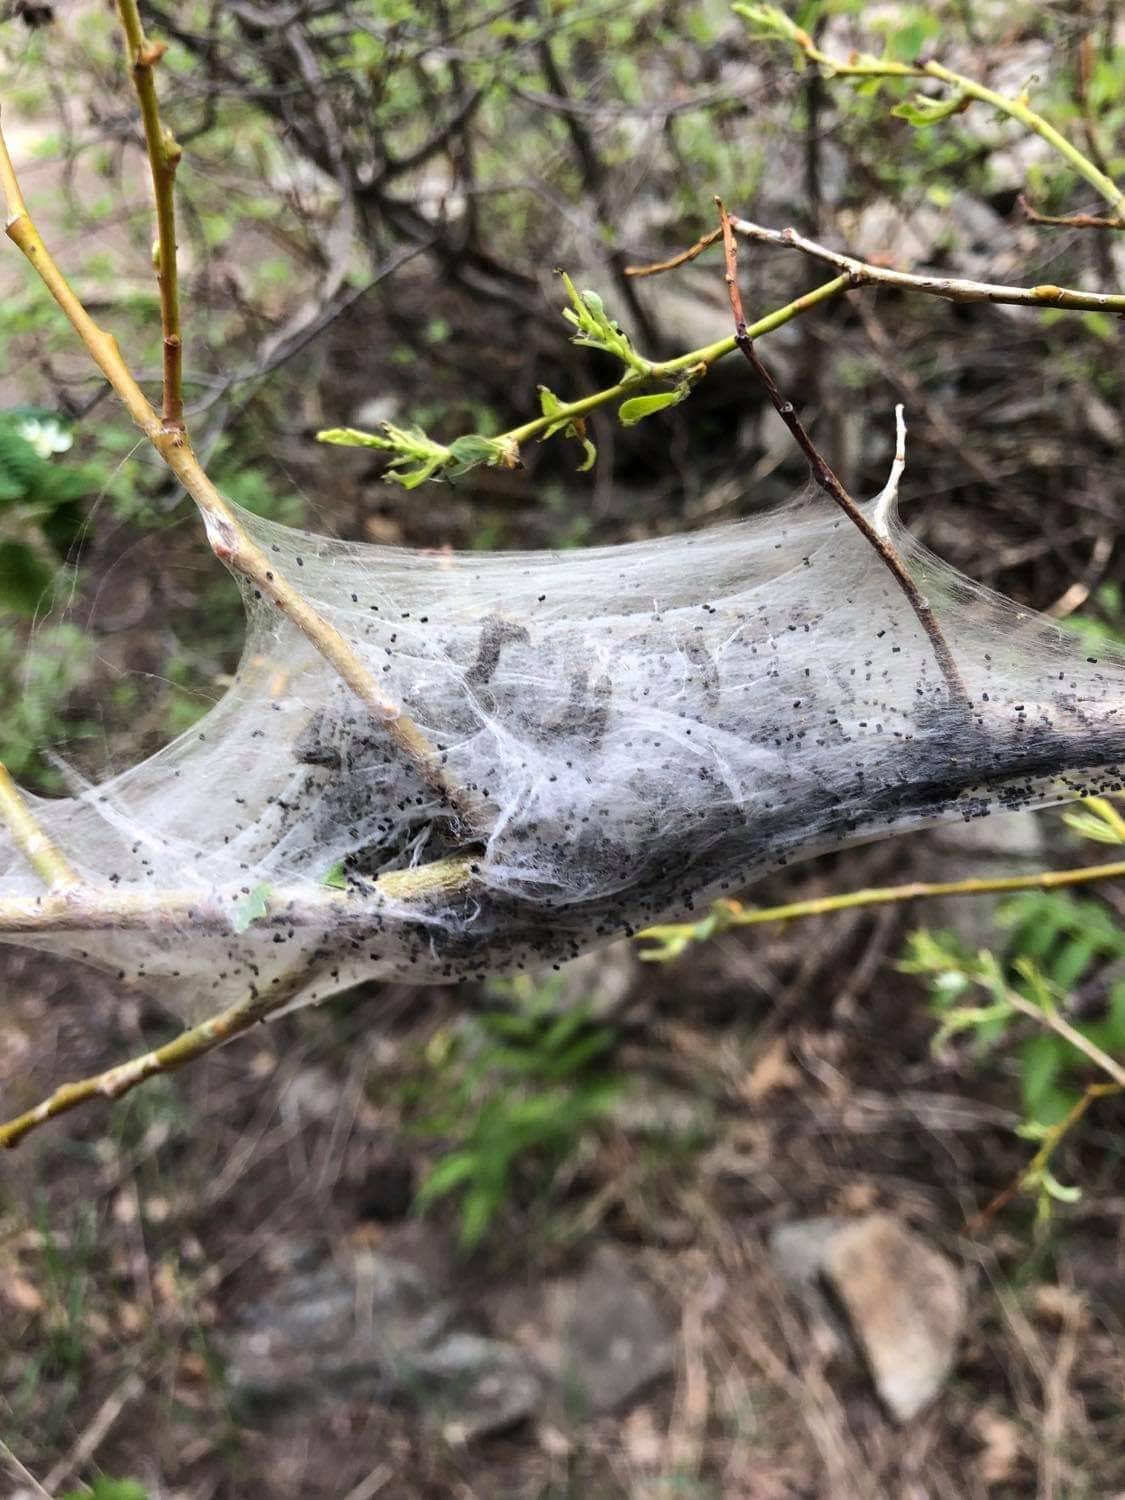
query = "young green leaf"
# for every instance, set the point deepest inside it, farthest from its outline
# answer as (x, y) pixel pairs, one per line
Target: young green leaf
(351, 437)
(921, 111)
(252, 908)
(637, 408)
(1061, 1192)
(597, 330)
(551, 406)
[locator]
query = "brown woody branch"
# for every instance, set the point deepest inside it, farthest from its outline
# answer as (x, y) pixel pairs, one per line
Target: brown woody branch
(864, 273)
(829, 482)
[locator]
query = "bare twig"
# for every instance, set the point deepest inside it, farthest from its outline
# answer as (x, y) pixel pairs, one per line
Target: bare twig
(95, 1433)
(829, 482)
(887, 497)
(33, 843)
(21, 1472)
(658, 267)
(864, 273)
(1050, 1144)
(1068, 221)
(951, 288)
(164, 155)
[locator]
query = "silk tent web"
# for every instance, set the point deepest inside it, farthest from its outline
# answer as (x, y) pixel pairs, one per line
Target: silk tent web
(645, 727)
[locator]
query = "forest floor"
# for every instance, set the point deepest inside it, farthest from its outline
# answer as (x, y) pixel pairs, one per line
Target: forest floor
(762, 1082)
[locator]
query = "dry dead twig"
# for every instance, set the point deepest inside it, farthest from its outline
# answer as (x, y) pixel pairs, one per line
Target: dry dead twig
(829, 482)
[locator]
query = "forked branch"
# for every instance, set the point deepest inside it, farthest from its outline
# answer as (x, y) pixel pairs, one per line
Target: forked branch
(864, 273)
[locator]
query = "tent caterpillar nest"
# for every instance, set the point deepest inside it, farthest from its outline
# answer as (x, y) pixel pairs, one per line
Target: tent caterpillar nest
(647, 727)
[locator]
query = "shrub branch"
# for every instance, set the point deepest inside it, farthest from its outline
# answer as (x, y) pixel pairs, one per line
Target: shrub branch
(164, 153)
(776, 25)
(85, 908)
(48, 862)
(1039, 1163)
(864, 273)
(228, 539)
(670, 939)
(829, 482)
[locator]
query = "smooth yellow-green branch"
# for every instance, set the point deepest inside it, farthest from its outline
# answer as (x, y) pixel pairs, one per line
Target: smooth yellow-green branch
(84, 906)
(776, 24)
(48, 862)
(670, 939)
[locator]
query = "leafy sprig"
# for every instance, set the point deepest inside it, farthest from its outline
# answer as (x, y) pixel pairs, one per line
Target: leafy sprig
(597, 330)
(417, 457)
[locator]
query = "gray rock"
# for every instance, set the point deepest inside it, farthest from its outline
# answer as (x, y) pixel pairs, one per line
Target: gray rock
(474, 1386)
(906, 1305)
(344, 1328)
(615, 1341)
(797, 1253)
(374, 1326)
(797, 1249)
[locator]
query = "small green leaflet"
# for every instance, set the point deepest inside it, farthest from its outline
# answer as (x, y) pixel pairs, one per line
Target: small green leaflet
(637, 408)
(922, 111)
(550, 405)
(472, 450)
(335, 877)
(252, 908)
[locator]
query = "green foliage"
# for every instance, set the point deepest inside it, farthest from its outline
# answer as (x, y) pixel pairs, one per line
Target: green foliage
(416, 457)
(254, 906)
(104, 1488)
(637, 408)
(597, 330)
(922, 111)
(516, 1091)
(36, 683)
(1109, 630)
(551, 406)
(769, 23)
(40, 513)
(1057, 944)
